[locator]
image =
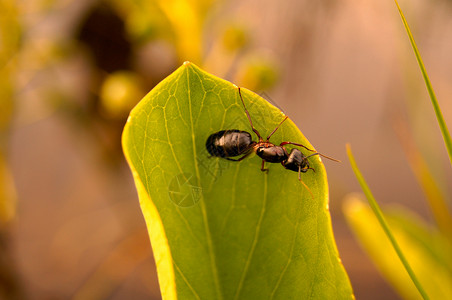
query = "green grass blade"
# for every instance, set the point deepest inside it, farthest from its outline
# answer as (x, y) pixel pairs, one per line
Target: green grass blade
(439, 115)
(381, 219)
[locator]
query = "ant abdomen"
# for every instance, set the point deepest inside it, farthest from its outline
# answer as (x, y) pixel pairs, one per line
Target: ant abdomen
(229, 143)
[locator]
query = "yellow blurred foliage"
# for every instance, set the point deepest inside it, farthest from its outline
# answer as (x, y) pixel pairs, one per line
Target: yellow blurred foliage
(119, 92)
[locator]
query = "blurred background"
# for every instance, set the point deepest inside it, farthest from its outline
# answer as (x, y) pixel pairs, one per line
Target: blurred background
(344, 71)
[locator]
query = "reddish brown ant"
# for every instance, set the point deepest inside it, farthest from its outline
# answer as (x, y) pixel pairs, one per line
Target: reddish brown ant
(231, 143)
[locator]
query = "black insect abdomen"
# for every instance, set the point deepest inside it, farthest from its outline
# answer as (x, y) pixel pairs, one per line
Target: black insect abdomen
(228, 143)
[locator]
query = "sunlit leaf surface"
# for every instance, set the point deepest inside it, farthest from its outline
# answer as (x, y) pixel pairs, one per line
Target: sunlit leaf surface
(222, 229)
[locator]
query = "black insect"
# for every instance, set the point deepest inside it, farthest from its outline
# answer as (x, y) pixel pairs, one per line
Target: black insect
(231, 143)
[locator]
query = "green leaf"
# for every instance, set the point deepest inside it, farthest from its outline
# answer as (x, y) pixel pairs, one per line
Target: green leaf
(222, 229)
(427, 249)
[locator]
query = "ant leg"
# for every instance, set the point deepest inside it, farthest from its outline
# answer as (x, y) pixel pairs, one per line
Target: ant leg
(232, 159)
(248, 115)
(304, 170)
(263, 165)
(268, 137)
(304, 184)
(291, 143)
(241, 158)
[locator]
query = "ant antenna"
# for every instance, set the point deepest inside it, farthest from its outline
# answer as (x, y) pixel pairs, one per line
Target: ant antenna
(248, 115)
(323, 155)
(268, 137)
(316, 153)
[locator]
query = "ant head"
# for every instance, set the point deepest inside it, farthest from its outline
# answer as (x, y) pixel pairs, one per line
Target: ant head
(304, 165)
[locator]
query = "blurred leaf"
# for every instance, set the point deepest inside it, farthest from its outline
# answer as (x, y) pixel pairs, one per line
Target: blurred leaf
(186, 22)
(144, 20)
(144, 25)
(10, 31)
(179, 21)
(7, 194)
(425, 178)
(235, 37)
(221, 229)
(10, 34)
(10, 41)
(439, 115)
(427, 250)
(119, 93)
(258, 73)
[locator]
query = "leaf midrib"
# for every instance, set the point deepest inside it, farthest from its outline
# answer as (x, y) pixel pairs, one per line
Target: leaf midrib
(203, 206)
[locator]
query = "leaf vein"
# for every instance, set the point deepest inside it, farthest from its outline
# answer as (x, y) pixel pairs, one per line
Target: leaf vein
(289, 259)
(186, 281)
(255, 240)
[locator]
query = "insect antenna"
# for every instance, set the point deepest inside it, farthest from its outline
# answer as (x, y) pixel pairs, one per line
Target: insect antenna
(320, 154)
(316, 153)
(323, 155)
(248, 115)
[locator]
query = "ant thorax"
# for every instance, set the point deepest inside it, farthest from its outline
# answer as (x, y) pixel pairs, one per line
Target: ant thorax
(271, 153)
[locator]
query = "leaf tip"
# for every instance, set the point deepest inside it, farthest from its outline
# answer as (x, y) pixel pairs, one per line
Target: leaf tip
(190, 66)
(348, 147)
